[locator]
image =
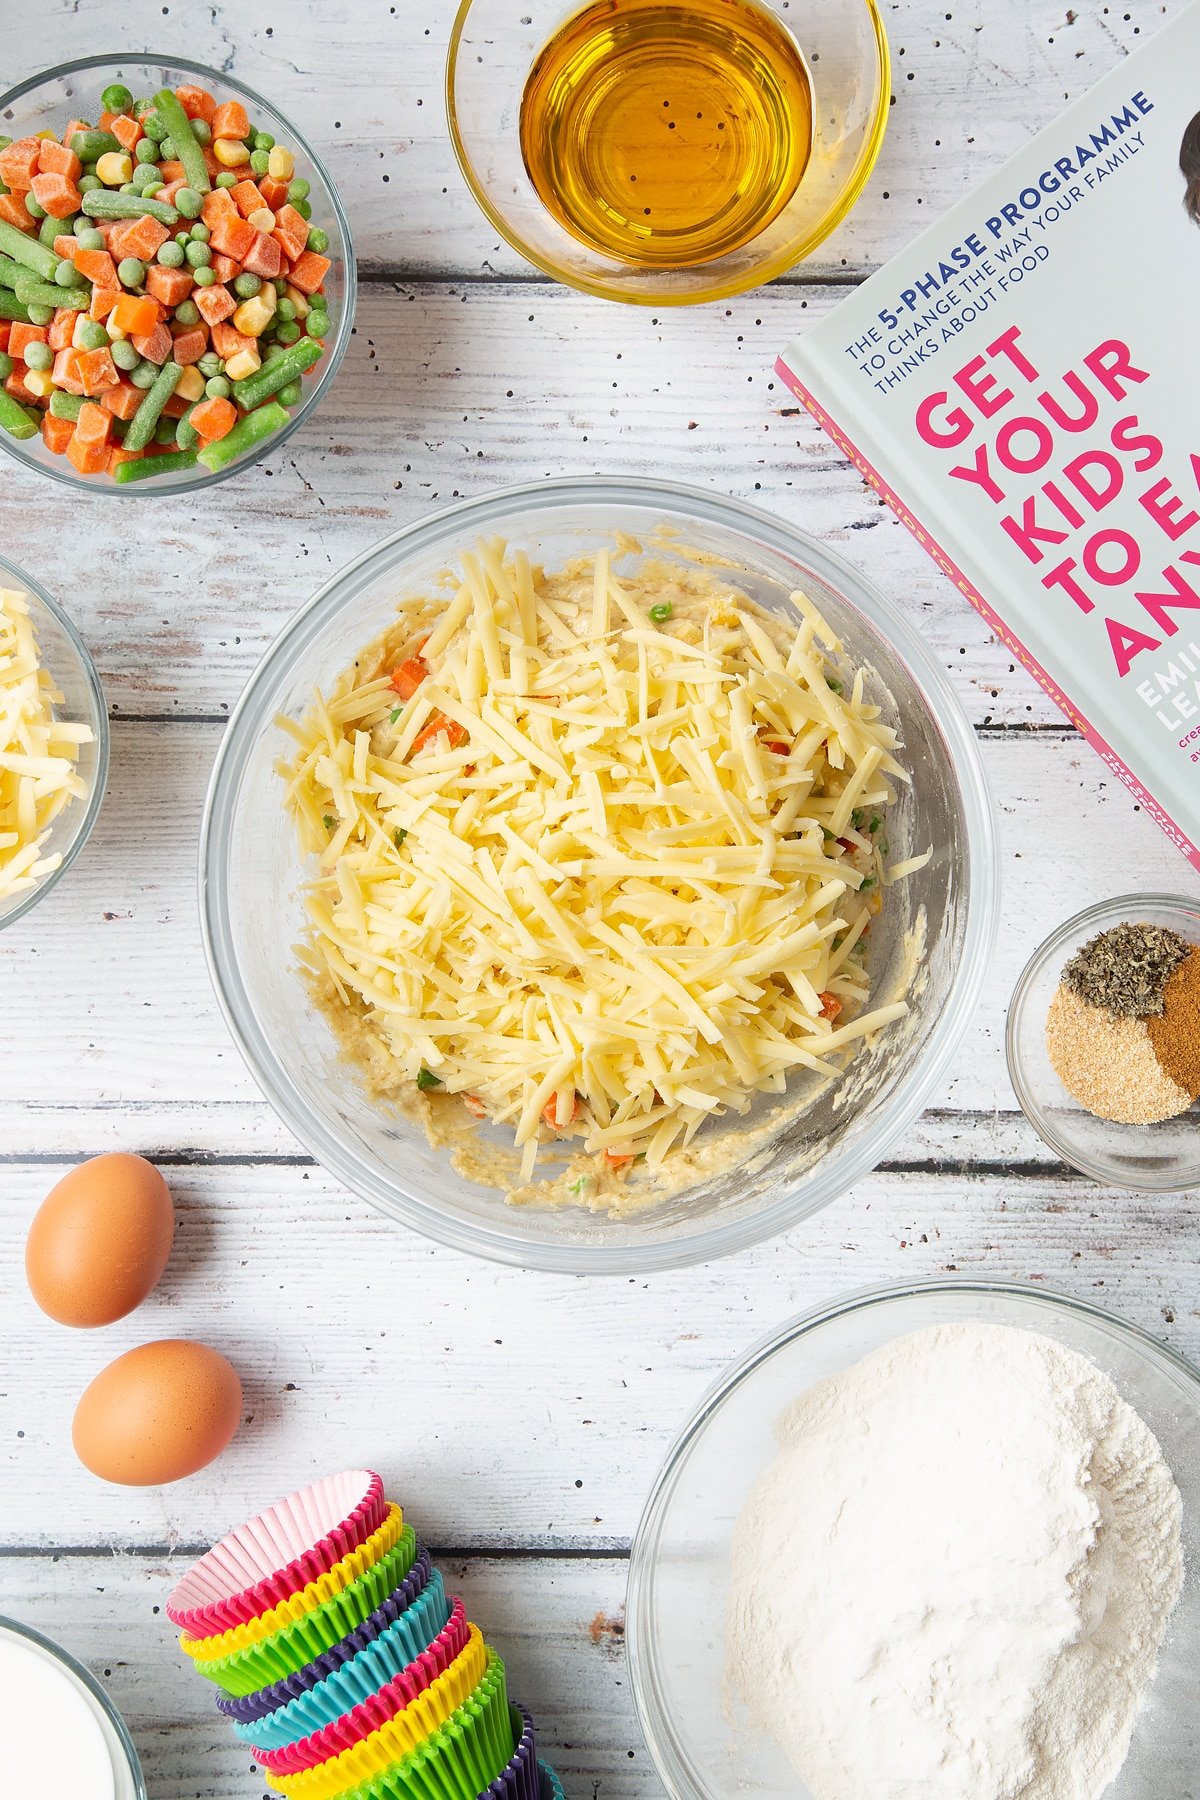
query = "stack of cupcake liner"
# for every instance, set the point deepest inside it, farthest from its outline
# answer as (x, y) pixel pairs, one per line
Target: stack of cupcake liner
(343, 1664)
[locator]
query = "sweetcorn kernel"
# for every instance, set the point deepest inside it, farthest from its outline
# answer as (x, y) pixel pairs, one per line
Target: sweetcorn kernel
(113, 168)
(230, 152)
(242, 364)
(299, 301)
(39, 382)
(253, 316)
(262, 219)
(281, 164)
(190, 385)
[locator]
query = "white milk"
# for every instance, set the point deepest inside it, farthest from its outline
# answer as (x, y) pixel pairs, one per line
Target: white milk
(57, 1737)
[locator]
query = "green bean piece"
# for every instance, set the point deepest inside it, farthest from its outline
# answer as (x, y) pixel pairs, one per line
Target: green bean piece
(104, 204)
(145, 468)
(164, 433)
(186, 435)
(124, 355)
(90, 146)
(49, 229)
(15, 419)
(187, 150)
(40, 315)
(9, 271)
(276, 374)
(66, 406)
(27, 251)
(251, 430)
(41, 293)
(152, 188)
(116, 98)
(6, 365)
(144, 420)
(39, 356)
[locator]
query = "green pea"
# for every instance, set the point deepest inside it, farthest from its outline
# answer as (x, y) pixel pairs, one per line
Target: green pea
(285, 310)
(6, 361)
(304, 208)
(124, 355)
(259, 162)
(170, 254)
(141, 108)
(318, 240)
(186, 313)
(298, 190)
(288, 332)
(146, 150)
(660, 614)
(127, 187)
(210, 363)
(217, 388)
(290, 394)
(426, 1079)
(204, 276)
(131, 271)
(117, 98)
(202, 131)
(187, 203)
(34, 207)
(152, 188)
(200, 233)
(167, 149)
(198, 255)
(246, 285)
(67, 275)
(145, 374)
(87, 184)
(91, 335)
(50, 228)
(89, 239)
(262, 140)
(164, 431)
(39, 356)
(154, 126)
(227, 178)
(40, 315)
(317, 324)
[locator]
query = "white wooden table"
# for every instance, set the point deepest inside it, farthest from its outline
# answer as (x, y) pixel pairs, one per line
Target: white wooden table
(520, 1418)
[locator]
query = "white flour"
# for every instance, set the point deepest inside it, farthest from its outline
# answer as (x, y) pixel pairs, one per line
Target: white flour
(953, 1582)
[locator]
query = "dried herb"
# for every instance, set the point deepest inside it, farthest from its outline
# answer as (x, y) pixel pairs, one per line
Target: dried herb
(1126, 969)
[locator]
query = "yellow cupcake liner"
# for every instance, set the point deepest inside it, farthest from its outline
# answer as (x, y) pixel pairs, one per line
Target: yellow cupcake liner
(406, 1731)
(462, 1758)
(335, 1581)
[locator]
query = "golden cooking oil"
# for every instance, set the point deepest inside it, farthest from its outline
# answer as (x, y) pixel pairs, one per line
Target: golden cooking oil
(667, 134)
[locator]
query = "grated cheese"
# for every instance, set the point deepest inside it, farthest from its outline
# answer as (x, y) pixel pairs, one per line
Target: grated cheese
(38, 753)
(631, 896)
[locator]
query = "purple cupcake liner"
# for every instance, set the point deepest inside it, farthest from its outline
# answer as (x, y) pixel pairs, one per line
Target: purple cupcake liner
(520, 1779)
(247, 1708)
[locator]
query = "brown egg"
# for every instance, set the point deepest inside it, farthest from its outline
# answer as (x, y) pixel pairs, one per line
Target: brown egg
(158, 1413)
(100, 1240)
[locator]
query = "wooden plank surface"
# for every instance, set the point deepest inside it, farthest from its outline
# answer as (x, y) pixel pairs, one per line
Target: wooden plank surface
(520, 1418)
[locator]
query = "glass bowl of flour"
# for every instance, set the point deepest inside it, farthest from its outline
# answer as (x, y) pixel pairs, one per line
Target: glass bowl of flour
(930, 1540)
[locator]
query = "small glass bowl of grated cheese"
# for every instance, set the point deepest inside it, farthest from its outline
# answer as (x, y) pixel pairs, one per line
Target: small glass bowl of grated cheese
(53, 743)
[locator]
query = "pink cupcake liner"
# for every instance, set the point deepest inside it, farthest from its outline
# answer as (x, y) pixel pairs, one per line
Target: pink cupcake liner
(280, 1552)
(362, 1720)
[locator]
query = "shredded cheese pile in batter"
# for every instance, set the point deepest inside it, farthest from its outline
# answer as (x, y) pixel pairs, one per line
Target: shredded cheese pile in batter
(38, 753)
(596, 854)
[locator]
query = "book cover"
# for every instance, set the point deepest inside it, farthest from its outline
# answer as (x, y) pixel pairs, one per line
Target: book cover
(1022, 386)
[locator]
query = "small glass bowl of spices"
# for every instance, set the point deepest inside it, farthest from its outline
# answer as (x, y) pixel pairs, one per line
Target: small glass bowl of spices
(1104, 1042)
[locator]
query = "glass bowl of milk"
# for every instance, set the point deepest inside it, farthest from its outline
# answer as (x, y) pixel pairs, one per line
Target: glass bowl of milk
(61, 1731)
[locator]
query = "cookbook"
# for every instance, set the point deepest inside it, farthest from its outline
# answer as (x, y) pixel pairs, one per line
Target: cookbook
(1022, 386)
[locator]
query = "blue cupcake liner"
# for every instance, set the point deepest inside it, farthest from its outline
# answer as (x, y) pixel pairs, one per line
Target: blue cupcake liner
(245, 1709)
(379, 1661)
(552, 1787)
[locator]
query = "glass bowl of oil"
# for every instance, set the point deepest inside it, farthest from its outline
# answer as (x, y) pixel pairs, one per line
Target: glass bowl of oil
(667, 152)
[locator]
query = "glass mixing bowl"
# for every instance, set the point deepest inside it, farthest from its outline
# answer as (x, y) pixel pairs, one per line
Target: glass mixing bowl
(46, 102)
(66, 658)
(1145, 1159)
(492, 48)
(679, 1572)
(250, 880)
(23, 1648)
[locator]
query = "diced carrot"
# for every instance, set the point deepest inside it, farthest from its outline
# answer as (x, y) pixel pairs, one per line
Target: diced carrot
(247, 198)
(89, 459)
(189, 345)
(176, 407)
(197, 103)
(14, 384)
(214, 419)
(55, 159)
(5, 328)
(154, 345)
(214, 303)
(309, 271)
(22, 335)
(230, 121)
(65, 373)
(135, 314)
(618, 1159)
(291, 230)
(169, 285)
(474, 1106)
(455, 733)
(103, 301)
(143, 237)
(119, 454)
(13, 212)
(225, 267)
(227, 342)
(61, 328)
(170, 171)
(98, 266)
(264, 257)
(232, 235)
(19, 164)
(831, 1006)
(127, 131)
(407, 678)
(94, 424)
(123, 400)
(219, 204)
(550, 1113)
(57, 195)
(106, 119)
(56, 433)
(97, 370)
(274, 192)
(170, 190)
(65, 248)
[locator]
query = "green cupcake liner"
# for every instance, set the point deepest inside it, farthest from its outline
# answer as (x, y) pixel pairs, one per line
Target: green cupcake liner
(304, 1639)
(462, 1758)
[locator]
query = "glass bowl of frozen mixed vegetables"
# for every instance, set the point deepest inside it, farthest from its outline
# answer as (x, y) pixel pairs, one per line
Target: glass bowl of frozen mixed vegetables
(177, 281)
